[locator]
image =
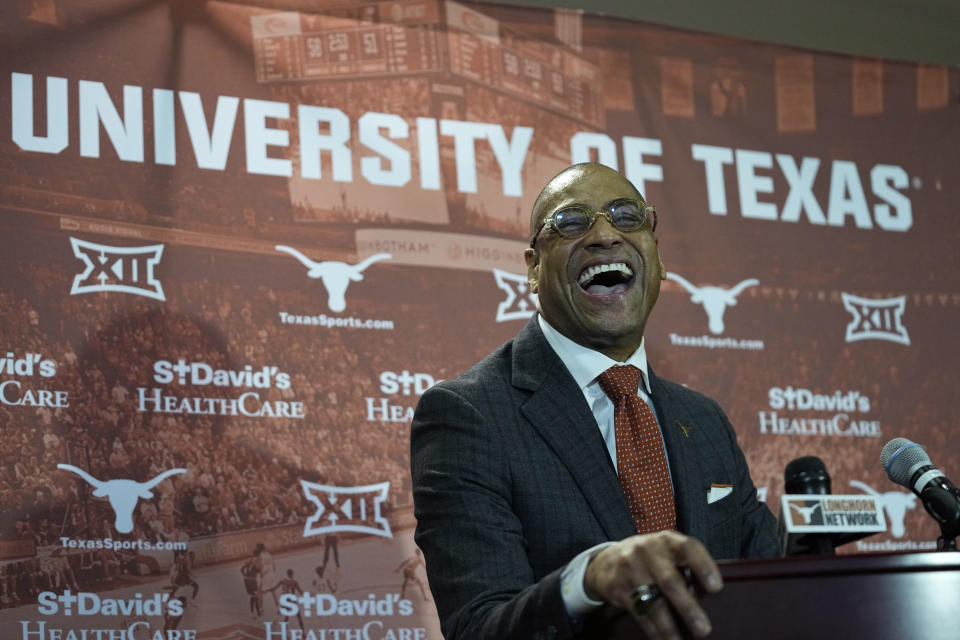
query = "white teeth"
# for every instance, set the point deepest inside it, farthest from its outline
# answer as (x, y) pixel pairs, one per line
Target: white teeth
(590, 272)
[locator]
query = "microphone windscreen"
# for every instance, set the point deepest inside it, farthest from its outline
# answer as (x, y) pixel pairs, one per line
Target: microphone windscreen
(806, 475)
(901, 457)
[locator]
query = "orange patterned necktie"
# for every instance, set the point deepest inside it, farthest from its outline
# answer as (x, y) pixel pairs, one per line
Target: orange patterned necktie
(641, 459)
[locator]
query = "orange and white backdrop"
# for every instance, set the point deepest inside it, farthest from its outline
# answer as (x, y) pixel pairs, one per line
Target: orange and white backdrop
(239, 239)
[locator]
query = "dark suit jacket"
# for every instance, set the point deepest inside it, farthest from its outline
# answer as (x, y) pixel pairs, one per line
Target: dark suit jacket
(511, 479)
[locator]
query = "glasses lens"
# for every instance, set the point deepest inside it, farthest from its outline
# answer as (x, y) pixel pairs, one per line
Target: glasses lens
(572, 223)
(628, 216)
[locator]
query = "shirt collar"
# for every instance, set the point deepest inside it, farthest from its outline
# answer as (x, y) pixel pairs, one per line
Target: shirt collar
(585, 364)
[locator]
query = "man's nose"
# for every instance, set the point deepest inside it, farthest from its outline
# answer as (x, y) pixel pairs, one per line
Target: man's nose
(602, 233)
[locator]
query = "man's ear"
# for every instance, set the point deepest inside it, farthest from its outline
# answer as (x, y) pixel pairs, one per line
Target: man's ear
(532, 258)
(663, 269)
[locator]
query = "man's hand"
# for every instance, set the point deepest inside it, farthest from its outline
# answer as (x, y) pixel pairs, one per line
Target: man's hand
(655, 558)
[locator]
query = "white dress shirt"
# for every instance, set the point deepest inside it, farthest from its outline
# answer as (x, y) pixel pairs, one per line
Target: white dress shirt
(586, 365)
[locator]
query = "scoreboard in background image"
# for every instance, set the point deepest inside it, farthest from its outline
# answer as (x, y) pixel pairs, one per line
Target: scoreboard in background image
(373, 39)
(428, 36)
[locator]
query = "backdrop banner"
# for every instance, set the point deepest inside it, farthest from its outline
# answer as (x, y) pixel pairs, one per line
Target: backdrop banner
(240, 239)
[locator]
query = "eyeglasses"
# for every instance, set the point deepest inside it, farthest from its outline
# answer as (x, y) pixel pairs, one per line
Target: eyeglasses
(625, 215)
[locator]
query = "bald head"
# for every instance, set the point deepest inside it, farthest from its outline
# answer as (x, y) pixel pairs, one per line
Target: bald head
(563, 186)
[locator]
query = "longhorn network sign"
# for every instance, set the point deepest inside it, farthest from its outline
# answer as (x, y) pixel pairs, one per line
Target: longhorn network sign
(715, 300)
(335, 275)
(123, 494)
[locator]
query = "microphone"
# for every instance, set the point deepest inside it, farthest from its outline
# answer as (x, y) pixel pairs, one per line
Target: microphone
(813, 520)
(807, 476)
(907, 464)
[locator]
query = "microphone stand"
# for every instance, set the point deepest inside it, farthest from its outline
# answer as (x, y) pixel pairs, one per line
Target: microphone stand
(944, 505)
(946, 543)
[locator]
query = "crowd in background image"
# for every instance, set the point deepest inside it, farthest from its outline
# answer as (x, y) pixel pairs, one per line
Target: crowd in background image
(241, 473)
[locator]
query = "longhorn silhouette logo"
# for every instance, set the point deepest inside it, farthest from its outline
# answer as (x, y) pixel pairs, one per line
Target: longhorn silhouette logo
(335, 275)
(715, 300)
(807, 511)
(895, 503)
(123, 494)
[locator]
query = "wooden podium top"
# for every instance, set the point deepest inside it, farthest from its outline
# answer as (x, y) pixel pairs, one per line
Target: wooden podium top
(770, 568)
(906, 596)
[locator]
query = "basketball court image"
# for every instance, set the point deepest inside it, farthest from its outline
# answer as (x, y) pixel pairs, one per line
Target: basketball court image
(362, 593)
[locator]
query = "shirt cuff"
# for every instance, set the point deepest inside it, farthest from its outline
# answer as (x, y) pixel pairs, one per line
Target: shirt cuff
(575, 599)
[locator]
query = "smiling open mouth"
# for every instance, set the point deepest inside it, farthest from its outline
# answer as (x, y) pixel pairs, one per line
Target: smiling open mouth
(604, 279)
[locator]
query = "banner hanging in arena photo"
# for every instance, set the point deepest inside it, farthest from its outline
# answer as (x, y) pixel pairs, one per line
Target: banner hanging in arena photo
(240, 239)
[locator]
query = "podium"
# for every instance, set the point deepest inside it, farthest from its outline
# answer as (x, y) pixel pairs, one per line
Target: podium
(876, 597)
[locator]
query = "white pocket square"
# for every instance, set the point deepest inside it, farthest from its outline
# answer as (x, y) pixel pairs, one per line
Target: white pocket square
(718, 491)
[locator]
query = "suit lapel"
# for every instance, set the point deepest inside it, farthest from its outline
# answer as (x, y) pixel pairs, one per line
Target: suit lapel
(558, 411)
(684, 455)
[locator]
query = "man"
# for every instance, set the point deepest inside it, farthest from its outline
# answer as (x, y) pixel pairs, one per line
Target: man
(181, 574)
(288, 585)
(251, 583)
(409, 567)
(515, 463)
